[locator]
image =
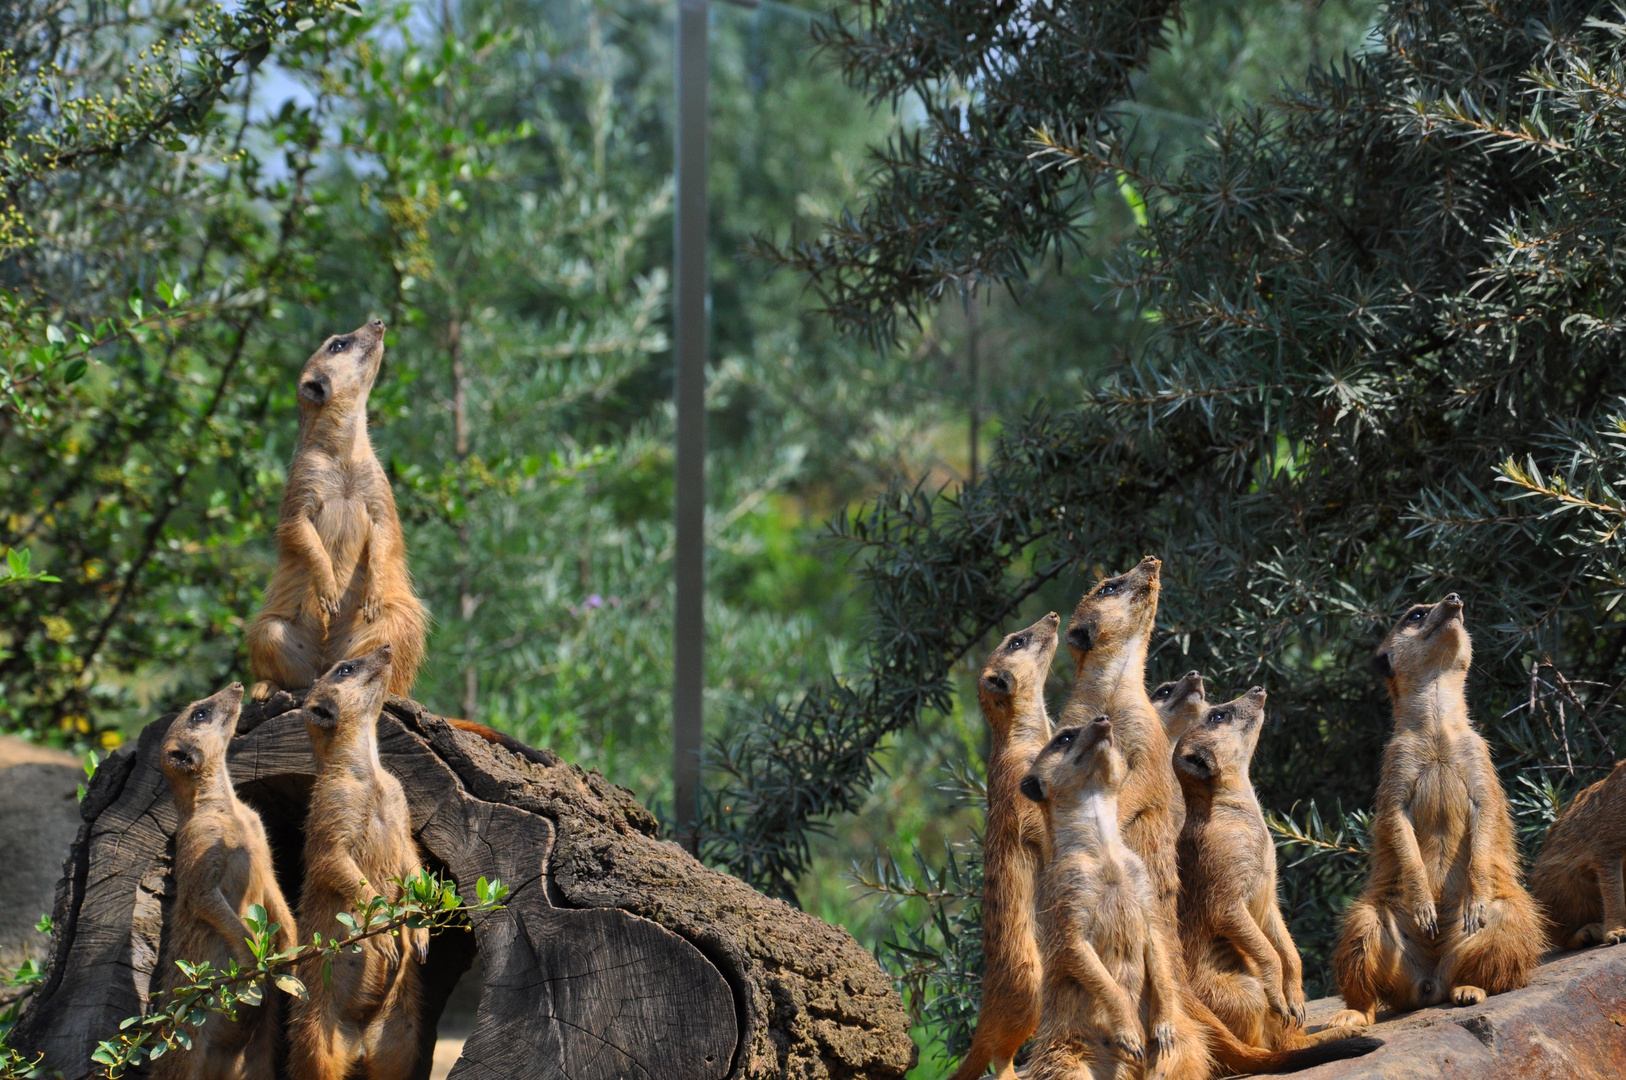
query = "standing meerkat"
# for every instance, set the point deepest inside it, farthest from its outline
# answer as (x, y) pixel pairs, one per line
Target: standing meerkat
(1239, 957)
(358, 838)
(1443, 914)
(1015, 848)
(1179, 704)
(222, 869)
(1112, 1007)
(1578, 877)
(340, 587)
(1108, 636)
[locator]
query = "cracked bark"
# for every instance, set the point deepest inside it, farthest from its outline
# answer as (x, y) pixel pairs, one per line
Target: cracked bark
(615, 955)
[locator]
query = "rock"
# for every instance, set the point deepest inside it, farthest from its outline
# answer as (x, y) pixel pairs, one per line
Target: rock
(1568, 1024)
(616, 953)
(39, 817)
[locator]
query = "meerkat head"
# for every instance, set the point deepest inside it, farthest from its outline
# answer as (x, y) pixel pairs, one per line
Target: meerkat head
(343, 369)
(1119, 609)
(1180, 703)
(351, 689)
(1430, 640)
(1015, 671)
(200, 734)
(1076, 760)
(1221, 743)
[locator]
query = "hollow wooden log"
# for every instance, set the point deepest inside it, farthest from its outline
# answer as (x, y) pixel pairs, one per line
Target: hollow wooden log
(616, 954)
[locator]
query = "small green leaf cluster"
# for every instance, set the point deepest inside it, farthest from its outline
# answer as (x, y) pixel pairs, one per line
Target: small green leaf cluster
(427, 901)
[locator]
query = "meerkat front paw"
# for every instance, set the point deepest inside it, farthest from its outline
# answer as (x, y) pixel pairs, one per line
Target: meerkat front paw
(1473, 913)
(1352, 1018)
(417, 938)
(371, 608)
(1163, 1038)
(1615, 936)
(1296, 1009)
(262, 690)
(1425, 916)
(1467, 995)
(1127, 1046)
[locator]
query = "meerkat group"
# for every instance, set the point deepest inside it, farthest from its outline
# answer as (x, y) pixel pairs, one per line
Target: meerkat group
(1138, 932)
(340, 620)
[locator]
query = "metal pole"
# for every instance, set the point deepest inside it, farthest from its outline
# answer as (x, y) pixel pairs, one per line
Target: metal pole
(689, 334)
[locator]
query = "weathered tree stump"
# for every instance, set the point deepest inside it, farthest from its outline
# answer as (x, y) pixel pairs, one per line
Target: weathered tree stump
(615, 955)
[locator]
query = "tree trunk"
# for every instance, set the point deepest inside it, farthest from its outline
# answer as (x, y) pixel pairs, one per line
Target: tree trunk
(616, 954)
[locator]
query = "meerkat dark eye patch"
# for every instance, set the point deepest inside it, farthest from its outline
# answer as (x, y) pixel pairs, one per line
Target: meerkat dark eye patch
(338, 345)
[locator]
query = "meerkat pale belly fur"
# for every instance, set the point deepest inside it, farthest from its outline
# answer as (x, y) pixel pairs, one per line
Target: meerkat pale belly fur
(222, 869)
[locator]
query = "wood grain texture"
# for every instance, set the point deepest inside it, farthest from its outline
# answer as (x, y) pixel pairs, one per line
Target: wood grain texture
(616, 954)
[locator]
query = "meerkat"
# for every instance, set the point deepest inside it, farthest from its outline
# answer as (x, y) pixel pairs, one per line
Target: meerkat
(1108, 637)
(1577, 877)
(1239, 956)
(222, 869)
(358, 838)
(1015, 848)
(1443, 915)
(340, 587)
(1179, 704)
(1112, 1008)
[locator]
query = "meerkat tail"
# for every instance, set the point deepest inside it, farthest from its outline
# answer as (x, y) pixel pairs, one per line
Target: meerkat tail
(974, 1064)
(1238, 1057)
(497, 738)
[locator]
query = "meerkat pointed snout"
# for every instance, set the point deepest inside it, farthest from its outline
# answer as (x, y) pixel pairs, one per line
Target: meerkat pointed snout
(350, 687)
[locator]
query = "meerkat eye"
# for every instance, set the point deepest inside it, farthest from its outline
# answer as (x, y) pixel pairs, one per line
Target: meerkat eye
(1415, 615)
(339, 346)
(345, 669)
(1162, 692)
(1218, 716)
(1109, 589)
(1019, 642)
(200, 714)
(1067, 738)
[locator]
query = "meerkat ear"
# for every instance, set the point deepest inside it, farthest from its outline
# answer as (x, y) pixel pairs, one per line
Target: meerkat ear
(1383, 665)
(1080, 638)
(996, 681)
(316, 389)
(1032, 788)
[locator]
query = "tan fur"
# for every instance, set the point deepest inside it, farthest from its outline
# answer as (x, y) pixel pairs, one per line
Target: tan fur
(340, 588)
(1108, 636)
(1179, 704)
(1111, 1006)
(1239, 957)
(1015, 848)
(222, 868)
(358, 837)
(1578, 875)
(1443, 915)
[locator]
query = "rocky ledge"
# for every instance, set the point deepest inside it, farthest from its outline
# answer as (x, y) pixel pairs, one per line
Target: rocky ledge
(1568, 1024)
